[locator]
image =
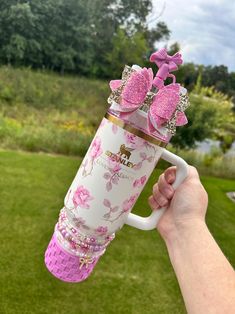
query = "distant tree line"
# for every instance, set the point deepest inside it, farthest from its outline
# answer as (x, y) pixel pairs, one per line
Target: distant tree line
(89, 37)
(217, 76)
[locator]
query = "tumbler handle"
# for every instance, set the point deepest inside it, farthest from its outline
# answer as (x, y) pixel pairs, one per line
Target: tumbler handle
(150, 222)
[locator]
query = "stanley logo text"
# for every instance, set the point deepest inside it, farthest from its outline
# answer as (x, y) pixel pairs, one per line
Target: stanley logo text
(122, 156)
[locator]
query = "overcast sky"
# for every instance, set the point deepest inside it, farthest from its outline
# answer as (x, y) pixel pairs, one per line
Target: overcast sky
(205, 29)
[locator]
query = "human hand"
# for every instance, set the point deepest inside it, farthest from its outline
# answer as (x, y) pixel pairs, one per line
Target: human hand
(184, 206)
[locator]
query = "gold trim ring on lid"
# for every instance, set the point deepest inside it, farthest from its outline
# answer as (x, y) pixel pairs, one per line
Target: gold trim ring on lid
(134, 130)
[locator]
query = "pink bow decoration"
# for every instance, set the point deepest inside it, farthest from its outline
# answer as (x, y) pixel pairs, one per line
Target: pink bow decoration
(132, 93)
(166, 109)
(161, 57)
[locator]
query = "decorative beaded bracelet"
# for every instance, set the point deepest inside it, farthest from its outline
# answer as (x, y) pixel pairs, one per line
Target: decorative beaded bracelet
(77, 252)
(78, 242)
(77, 233)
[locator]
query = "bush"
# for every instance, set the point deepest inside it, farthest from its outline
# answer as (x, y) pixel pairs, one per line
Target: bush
(42, 111)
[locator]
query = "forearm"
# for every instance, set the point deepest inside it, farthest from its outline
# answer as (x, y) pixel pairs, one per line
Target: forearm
(206, 278)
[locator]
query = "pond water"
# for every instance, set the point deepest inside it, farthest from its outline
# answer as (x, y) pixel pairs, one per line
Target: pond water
(205, 147)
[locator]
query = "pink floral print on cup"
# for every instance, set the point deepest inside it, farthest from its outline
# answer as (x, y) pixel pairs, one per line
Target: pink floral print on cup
(133, 141)
(114, 128)
(112, 176)
(126, 207)
(96, 150)
(139, 182)
(81, 197)
(114, 165)
(128, 203)
(144, 158)
(94, 153)
(79, 223)
(111, 209)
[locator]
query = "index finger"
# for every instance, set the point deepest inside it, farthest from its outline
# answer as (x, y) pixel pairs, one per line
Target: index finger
(170, 174)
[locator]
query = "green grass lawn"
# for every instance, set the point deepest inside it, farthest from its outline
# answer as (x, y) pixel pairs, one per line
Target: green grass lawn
(134, 276)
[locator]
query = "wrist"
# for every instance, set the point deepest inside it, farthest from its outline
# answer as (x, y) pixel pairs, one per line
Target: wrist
(184, 231)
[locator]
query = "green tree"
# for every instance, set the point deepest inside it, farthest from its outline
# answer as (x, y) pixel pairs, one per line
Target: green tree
(16, 23)
(175, 47)
(131, 17)
(208, 115)
(72, 35)
(187, 75)
(217, 76)
(51, 34)
(126, 50)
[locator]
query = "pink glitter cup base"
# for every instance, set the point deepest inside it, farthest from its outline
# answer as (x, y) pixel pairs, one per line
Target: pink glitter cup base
(65, 266)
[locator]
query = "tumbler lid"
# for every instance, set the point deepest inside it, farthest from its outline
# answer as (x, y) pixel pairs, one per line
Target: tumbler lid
(143, 100)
